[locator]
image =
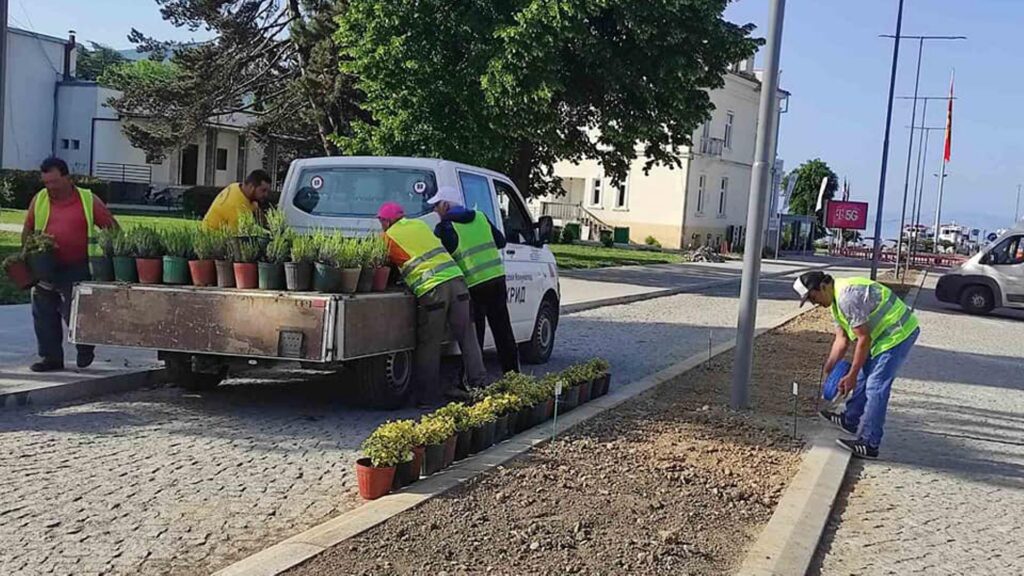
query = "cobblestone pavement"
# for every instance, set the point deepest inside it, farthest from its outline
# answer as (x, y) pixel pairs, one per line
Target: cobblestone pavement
(947, 495)
(166, 482)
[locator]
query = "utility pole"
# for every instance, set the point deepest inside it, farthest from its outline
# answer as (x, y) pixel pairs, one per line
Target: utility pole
(919, 188)
(910, 145)
(942, 173)
(877, 252)
(1016, 209)
(3, 73)
(768, 114)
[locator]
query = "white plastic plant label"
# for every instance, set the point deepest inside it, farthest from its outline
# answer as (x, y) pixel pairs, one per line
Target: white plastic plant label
(558, 388)
(796, 389)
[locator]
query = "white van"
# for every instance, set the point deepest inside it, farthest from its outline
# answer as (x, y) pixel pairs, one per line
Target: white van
(992, 278)
(345, 192)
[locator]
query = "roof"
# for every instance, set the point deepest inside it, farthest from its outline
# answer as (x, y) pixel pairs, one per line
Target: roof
(31, 34)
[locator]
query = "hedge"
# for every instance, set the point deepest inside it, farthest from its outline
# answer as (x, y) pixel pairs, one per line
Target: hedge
(22, 185)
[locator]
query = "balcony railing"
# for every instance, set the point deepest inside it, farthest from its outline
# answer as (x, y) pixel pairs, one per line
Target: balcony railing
(135, 173)
(712, 146)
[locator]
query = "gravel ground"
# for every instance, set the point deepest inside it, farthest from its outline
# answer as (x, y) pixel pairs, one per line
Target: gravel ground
(669, 483)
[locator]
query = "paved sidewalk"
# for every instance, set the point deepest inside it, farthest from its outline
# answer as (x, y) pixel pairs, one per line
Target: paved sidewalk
(947, 496)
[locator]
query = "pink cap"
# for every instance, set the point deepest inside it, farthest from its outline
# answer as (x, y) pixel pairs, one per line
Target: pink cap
(391, 211)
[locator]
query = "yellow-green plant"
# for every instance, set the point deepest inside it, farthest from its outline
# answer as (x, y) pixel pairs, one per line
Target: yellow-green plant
(433, 430)
(204, 243)
(177, 241)
(279, 248)
(347, 255)
(506, 403)
(304, 248)
(122, 243)
(249, 225)
(147, 242)
(483, 412)
(457, 413)
(276, 223)
(391, 443)
(39, 243)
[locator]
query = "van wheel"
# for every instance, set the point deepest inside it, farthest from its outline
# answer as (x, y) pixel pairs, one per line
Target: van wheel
(542, 343)
(179, 368)
(384, 381)
(977, 300)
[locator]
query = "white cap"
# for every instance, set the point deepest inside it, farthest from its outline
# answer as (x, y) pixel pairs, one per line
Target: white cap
(802, 290)
(448, 194)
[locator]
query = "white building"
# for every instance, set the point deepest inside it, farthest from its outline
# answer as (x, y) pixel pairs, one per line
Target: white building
(49, 112)
(702, 202)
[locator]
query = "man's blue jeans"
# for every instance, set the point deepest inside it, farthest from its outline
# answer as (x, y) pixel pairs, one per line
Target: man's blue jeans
(865, 409)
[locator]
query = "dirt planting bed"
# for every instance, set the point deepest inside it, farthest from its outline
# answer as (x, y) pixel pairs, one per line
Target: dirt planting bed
(669, 483)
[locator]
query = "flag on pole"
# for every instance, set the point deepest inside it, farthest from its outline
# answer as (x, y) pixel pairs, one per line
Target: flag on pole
(949, 120)
(821, 195)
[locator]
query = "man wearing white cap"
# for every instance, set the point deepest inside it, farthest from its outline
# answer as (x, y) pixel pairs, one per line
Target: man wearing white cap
(883, 329)
(475, 244)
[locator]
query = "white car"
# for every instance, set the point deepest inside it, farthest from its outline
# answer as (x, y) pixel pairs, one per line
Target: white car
(992, 278)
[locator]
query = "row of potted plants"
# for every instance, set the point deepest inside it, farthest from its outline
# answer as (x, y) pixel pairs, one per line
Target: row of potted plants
(33, 263)
(276, 258)
(398, 452)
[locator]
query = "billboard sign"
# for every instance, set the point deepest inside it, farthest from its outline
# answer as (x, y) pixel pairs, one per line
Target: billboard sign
(846, 215)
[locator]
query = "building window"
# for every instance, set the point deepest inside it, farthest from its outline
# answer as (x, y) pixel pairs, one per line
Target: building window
(65, 143)
(222, 158)
(622, 195)
(700, 193)
(729, 117)
(595, 193)
(721, 196)
(75, 145)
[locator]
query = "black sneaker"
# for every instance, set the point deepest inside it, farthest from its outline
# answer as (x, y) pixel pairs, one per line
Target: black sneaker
(836, 420)
(85, 358)
(47, 365)
(859, 448)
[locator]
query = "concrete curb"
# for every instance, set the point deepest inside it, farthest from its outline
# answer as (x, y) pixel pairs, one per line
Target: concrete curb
(79, 389)
(631, 298)
(787, 544)
(301, 547)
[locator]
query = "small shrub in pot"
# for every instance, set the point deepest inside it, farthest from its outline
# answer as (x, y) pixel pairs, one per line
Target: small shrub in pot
(176, 242)
(458, 414)
(123, 245)
(38, 251)
(433, 432)
(203, 266)
(102, 267)
(298, 272)
(387, 447)
(271, 268)
(148, 254)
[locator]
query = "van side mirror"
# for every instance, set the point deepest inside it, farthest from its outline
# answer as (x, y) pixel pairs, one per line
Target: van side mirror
(545, 229)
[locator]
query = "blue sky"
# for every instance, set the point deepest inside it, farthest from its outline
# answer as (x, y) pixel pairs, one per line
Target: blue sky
(837, 69)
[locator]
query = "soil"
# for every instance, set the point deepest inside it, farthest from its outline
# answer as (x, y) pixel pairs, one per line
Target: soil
(671, 482)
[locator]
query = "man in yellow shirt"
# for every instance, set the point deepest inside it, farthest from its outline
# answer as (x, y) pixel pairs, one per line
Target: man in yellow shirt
(237, 198)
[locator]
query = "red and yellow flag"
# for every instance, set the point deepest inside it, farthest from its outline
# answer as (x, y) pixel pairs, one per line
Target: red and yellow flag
(949, 120)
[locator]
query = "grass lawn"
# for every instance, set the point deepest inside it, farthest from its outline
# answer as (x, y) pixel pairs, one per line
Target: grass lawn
(18, 217)
(579, 256)
(10, 242)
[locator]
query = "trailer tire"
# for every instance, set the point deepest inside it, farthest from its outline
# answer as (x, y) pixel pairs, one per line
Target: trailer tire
(384, 382)
(179, 369)
(542, 342)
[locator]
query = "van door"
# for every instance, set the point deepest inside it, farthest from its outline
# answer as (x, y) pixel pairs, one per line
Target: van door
(524, 269)
(1005, 264)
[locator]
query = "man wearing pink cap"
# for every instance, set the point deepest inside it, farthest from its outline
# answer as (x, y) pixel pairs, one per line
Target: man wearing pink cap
(441, 297)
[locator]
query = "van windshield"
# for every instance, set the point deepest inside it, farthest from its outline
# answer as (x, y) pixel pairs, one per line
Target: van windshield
(357, 192)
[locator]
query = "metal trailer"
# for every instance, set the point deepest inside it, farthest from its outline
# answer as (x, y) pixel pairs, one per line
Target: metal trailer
(202, 333)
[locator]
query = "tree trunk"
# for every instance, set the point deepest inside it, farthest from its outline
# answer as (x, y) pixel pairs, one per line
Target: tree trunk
(521, 168)
(320, 113)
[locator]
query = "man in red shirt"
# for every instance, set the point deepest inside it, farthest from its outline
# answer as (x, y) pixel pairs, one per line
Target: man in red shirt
(59, 211)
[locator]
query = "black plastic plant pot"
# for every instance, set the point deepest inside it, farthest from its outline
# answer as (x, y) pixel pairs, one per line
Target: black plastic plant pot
(539, 413)
(404, 475)
(501, 431)
(570, 399)
(483, 437)
(601, 384)
(433, 459)
(43, 265)
(524, 419)
(298, 276)
(102, 268)
(463, 444)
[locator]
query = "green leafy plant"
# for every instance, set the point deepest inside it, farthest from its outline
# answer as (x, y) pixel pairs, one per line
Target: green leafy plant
(457, 413)
(279, 248)
(433, 430)
(375, 250)
(347, 255)
(249, 226)
(177, 241)
(147, 242)
(652, 241)
(122, 243)
(39, 243)
(304, 248)
(506, 403)
(391, 443)
(12, 259)
(221, 242)
(576, 374)
(204, 244)
(246, 250)
(527, 388)
(483, 412)
(105, 240)
(598, 367)
(276, 222)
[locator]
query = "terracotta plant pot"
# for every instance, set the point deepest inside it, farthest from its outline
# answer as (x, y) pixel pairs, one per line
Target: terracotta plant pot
(204, 272)
(43, 265)
(550, 412)
(247, 275)
(125, 269)
(380, 278)
(373, 482)
(405, 474)
(365, 280)
(350, 280)
(326, 278)
(20, 274)
(418, 454)
(463, 444)
(271, 276)
(151, 270)
(298, 276)
(584, 395)
(433, 458)
(449, 450)
(176, 271)
(225, 273)
(101, 268)
(570, 399)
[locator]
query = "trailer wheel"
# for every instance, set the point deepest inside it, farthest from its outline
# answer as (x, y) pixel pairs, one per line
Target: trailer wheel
(384, 381)
(179, 368)
(542, 343)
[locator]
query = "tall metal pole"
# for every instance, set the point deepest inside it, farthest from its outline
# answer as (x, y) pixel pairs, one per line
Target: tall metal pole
(3, 73)
(917, 182)
(910, 153)
(920, 192)
(768, 113)
(1016, 209)
(938, 205)
(877, 252)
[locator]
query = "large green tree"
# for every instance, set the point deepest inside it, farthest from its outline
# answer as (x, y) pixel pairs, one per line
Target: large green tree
(274, 60)
(808, 183)
(520, 84)
(92, 62)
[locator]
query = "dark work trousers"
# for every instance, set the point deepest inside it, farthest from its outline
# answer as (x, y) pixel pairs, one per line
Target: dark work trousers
(490, 305)
(444, 306)
(51, 310)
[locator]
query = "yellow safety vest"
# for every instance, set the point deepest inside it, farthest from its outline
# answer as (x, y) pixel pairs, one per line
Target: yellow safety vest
(889, 324)
(42, 216)
(477, 255)
(429, 264)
